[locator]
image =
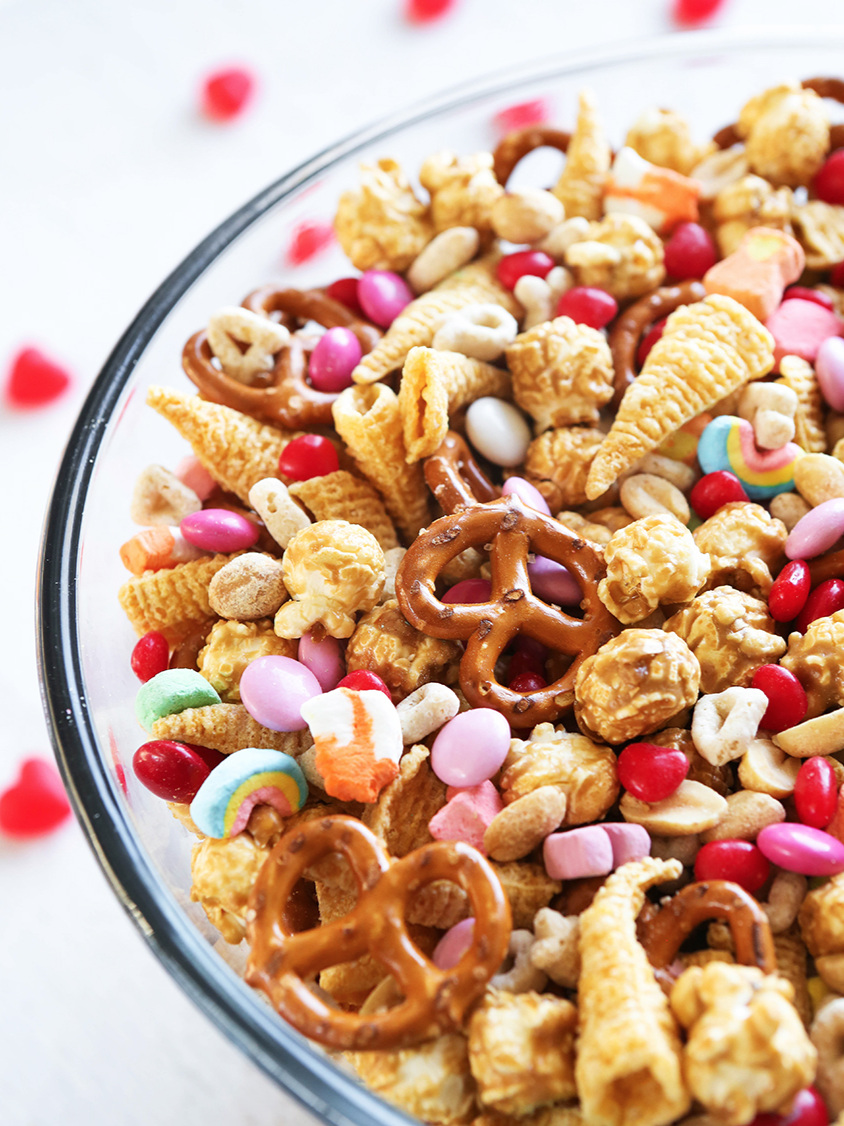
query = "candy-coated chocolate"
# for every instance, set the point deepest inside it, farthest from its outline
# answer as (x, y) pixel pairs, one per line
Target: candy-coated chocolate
(552, 582)
(817, 531)
(816, 792)
(273, 690)
(535, 111)
(829, 182)
(345, 290)
(714, 490)
(689, 252)
(309, 455)
(805, 294)
(825, 600)
(787, 703)
(363, 680)
(514, 266)
(829, 369)
(528, 656)
(469, 590)
(324, 658)
(808, 1108)
(150, 655)
(647, 342)
(736, 860)
(337, 353)
(172, 691)
(249, 777)
(587, 305)
(728, 443)
(217, 529)
(528, 492)
(470, 748)
(498, 430)
(800, 327)
(174, 771)
(629, 842)
(801, 848)
(36, 803)
(788, 595)
(651, 772)
(454, 944)
(382, 296)
(526, 682)
(467, 815)
(578, 853)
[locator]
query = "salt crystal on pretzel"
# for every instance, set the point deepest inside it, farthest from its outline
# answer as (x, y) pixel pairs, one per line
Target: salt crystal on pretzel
(580, 187)
(707, 350)
(660, 196)
(358, 742)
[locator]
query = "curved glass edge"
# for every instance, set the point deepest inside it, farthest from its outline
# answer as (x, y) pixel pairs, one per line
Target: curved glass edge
(309, 1077)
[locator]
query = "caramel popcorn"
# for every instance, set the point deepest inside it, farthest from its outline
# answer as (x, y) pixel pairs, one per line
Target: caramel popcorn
(652, 561)
(231, 646)
(463, 190)
(223, 873)
(620, 254)
(635, 684)
(821, 918)
(749, 202)
(746, 547)
(786, 133)
(558, 462)
(562, 373)
(730, 633)
(381, 225)
(663, 137)
(815, 659)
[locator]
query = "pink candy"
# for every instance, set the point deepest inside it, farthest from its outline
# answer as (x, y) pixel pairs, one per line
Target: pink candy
(470, 748)
(454, 944)
(467, 816)
(217, 529)
(800, 848)
(552, 582)
(594, 850)
(323, 658)
(817, 531)
(800, 327)
(527, 492)
(192, 472)
(336, 355)
(629, 842)
(273, 690)
(382, 295)
(829, 368)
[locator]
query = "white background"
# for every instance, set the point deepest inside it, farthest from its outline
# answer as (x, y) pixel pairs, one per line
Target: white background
(108, 177)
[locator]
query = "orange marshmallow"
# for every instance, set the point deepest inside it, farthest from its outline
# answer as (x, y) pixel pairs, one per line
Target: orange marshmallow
(155, 549)
(660, 196)
(757, 272)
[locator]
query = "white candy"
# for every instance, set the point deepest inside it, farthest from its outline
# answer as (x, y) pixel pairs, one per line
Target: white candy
(498, 431)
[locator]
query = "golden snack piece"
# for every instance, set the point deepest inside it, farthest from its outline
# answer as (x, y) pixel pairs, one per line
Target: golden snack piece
(707, 350)
(628, 1070)
(815, 659)
(528, 888)
(236, 450)
(416, 324)
(248, 587)
(621, 254)
(463, 190)
(227, 728)
(786, 133)
(341, 496)
(765, 769)
(821, 918)
(558, 463)
(521, 1050)
(580, 187)
(819, 228)
(635, 684)
(792, 964)
(746, 546)
(556, 950)
(230, 646)
(664, 137)
(434, 384)
(174, 600)
(691, 809)
(400, 815)
(524, 824)
(332, 569)
(799, 375)
(749, 202)
(369, 421)
(653, 561)
(731, 634)
(562, 373)
(223, 873)
(747, 1050)
(381, 225)
(822, 735)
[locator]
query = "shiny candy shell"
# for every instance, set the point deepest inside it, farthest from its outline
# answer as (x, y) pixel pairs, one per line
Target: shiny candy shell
(249, 777)
(817, 531)
(273, 690)
(829, 368)
(323, 658)
(728, 443)
(801, 848)
(218, 529)
(471, 747)
(498, 431)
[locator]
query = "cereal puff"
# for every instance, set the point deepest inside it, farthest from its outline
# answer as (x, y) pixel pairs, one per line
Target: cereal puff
(381, 225)
(332, 569)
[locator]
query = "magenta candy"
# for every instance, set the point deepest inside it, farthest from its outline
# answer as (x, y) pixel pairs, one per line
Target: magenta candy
(829, 368)
(526, 492)
(815, 532)
(323, 658)
(454, 944)
(799, 328)
(552, 582)
(382, 295)
(470, 748)
(469, 590)
(816, 792)
(629, 842)
(273, 690)
(217, 529)
(578, 853)
(337, 353)
(801, 848)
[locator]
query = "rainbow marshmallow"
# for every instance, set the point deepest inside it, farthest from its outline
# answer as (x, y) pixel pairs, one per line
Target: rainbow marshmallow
(727, 443)
(250, 777)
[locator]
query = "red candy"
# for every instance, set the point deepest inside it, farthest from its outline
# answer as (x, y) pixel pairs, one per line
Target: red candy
(651, 773)
(345, 290)
(689, 252)
(526, 660)
(690, 13)
(816, 792)
(808, 1109)
(514, 266)
(649, 339)
(825, 599)
(829, 182)
(174, 771)
(527, 682)
(36, 804)
(150, 655)
(836, 277)
(803, 293)
(226, 93)
(739, 861)
(34, 380)
(714, 490)
(308, 239)
(424, 11)
(787, 703)
(309, 455)
(588, 306)
(362, 680)
(790, 590)
(469, 590)
(521, 115)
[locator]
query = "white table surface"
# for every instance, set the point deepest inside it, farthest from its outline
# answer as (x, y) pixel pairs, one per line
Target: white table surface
(107, 179)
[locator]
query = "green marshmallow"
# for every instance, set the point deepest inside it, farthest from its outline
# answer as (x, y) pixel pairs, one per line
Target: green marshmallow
(170, 692)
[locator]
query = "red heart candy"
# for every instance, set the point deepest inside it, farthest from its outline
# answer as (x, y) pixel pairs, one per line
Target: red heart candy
(36, 804)
(35, 380)
(651, 772)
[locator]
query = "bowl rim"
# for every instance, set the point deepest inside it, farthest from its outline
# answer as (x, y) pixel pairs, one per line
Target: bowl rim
(283, 1054)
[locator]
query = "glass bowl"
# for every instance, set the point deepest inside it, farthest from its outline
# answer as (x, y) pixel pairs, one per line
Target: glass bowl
(85, 641)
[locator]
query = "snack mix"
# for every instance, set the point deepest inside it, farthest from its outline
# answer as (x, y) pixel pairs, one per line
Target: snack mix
(490, 633)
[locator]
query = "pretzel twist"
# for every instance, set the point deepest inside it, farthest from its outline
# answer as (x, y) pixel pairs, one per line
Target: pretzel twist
(516, 146)
(455, 478)
(436, 1000)
(512, 530)
(287, 400)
